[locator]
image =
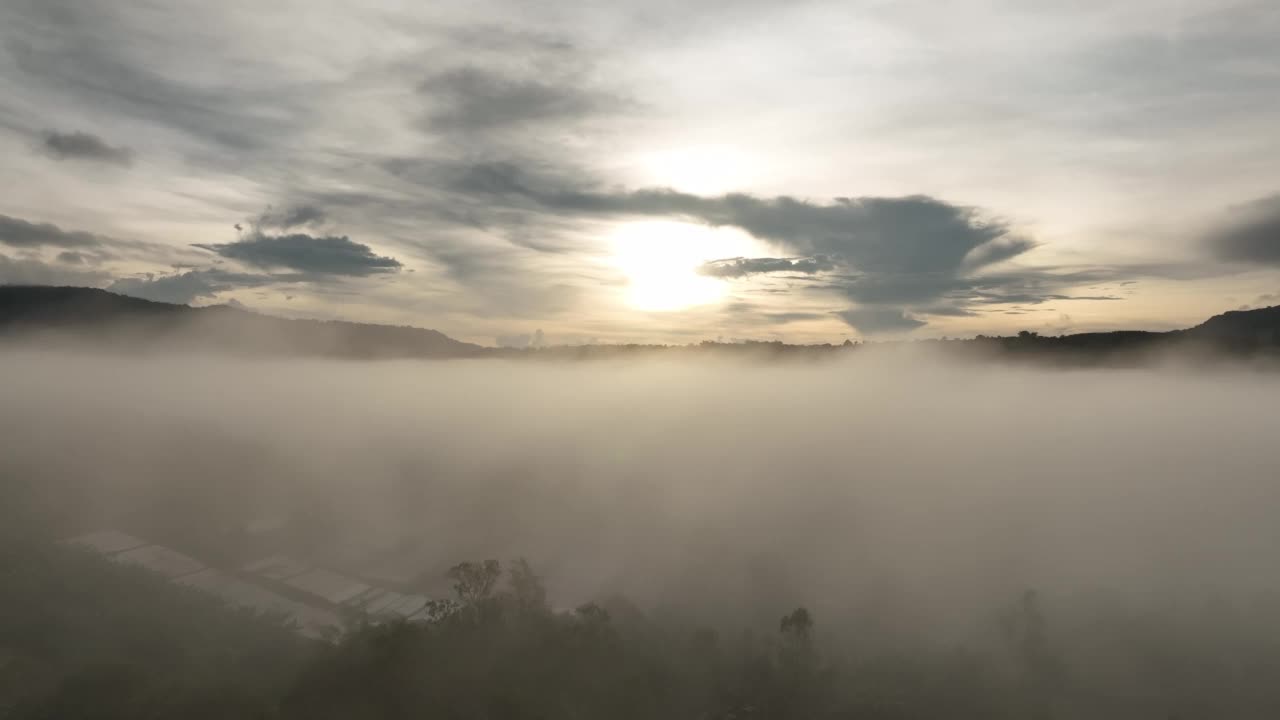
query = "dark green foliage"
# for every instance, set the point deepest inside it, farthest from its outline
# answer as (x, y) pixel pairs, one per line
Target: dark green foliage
(82, 638)
(85, 638)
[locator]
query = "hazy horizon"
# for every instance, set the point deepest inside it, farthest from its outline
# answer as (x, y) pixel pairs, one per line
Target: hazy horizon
(942, 479)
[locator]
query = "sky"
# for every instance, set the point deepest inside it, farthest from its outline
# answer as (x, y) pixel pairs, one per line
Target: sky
(517, 172)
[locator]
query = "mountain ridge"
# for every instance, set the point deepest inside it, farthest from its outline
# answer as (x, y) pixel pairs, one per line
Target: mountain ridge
(103, 317)
(95, 314)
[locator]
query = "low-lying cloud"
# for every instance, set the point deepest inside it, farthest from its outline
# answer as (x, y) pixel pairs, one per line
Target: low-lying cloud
(188, 286)
(941, 490)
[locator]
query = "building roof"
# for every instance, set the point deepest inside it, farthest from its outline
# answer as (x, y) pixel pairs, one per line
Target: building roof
(277, 567)
(309, 621)
(364, 598)
(107, 542)
(408, 606)
(329, 585)
(160, 559)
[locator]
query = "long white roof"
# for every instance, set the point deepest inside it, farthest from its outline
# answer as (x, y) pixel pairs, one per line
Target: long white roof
(327, 584)
(107, 542)
(160, 559)
(312, 622)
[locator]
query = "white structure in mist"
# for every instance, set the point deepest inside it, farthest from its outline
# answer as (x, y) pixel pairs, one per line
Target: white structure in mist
(126, 549)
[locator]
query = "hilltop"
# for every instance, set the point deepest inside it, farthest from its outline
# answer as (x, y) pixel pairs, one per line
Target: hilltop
(87, 314)
(101, 318)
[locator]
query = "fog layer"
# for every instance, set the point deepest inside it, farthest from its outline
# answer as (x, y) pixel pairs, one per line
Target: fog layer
(897, 489)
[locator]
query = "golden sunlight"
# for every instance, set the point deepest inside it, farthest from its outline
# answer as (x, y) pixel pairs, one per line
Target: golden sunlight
(661, 261)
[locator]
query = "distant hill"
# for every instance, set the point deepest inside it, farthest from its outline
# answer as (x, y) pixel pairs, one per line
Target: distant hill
(1242, 329)
(74, 314)
(87, 315)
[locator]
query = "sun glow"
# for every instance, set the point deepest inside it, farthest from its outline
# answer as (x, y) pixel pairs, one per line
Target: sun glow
(700, 169)
(661, 261)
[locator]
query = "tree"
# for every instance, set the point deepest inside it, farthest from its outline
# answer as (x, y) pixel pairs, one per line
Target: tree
(797, 626)
(527, 588)
(474, 582)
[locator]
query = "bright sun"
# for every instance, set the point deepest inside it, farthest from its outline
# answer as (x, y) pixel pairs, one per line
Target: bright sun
(661, 261)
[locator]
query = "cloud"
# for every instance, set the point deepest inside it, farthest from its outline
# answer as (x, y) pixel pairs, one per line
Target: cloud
(1249, 234)
(742, 267)
(184, 288)
(946, 311)
(874, 320)
(118, 61)
(18, 233)
(502, 279)
(895, 254)
(478, 99)
(291, 217)
(327, 255)
(84, 146)
(997, 251)
(873, 234)
(31, 271)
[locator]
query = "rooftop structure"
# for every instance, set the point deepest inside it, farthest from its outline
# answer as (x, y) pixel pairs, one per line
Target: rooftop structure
(106, 542)
(169, 563)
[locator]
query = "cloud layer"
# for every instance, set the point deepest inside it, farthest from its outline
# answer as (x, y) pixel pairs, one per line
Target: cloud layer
(85, 146)
(1250, 234)
(985, 173)
(892, 256)
(326, 255)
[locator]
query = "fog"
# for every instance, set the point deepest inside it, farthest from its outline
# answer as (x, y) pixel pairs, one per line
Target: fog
(893, 487)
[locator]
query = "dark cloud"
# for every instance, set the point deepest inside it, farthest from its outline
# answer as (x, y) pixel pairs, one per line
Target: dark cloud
(896, 254)
(18, 233)
(87, 50)
(1250, 233)
(327, 255)
(742, 267)
(782, 318)
(184, 288)
(915, 234)
(874, 320)
(31, 271)
(83, 146)
(998, 250)
(873, 234)
(291, 217)
(477, 99)
(83, 248)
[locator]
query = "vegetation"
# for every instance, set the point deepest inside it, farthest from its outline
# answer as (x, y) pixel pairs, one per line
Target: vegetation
(83, 638)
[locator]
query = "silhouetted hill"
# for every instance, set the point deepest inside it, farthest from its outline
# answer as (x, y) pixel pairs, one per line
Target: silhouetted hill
(72, 314)
(1242, 329)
